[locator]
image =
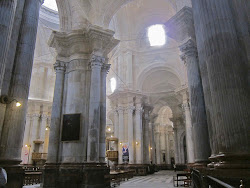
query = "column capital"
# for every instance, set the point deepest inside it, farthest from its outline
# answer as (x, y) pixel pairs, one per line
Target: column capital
(120, 109)
(96, 61)
(106, 67)
(188, 49)
(186, 106)
(59, 66)
(36, 115)
(139, 110)
(44, 116)
(130, 109)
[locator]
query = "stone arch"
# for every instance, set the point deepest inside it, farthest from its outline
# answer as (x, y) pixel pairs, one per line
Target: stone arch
(153, 67)
(117, 4)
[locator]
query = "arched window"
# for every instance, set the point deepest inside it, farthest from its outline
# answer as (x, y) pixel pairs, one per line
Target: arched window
(50, 4)
(156, 35)
(113, 84)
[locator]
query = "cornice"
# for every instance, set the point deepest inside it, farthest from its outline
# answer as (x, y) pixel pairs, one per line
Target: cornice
(181, 25)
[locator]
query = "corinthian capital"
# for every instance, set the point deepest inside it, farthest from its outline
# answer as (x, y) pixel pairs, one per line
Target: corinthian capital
(106, 67)
(130, 109)
(59, 66)
(96, 61)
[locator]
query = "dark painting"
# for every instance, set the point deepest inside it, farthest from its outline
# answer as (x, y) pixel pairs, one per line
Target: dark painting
(71, 127)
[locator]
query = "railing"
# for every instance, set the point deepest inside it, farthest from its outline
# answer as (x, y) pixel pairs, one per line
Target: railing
(112, 155)
(39, 156)
(33, 175)
(200, 180)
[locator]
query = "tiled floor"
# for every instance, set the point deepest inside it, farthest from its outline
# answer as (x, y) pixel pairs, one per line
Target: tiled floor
(161, 179)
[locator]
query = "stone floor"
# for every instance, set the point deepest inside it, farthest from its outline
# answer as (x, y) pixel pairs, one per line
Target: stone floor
(161, 179)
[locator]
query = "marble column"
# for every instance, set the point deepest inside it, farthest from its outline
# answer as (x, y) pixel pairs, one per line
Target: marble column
(14, 121)
(94, 109)
(138, 134)
(56, 114)
(116, 121)
(44, 119)
(121, 132)
(197, 104)
(102, 141)
(228, 80)
(130, 111)
(7, 13)
(189, 133)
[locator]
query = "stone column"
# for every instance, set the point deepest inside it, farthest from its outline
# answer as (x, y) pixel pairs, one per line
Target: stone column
(197, 104)
(7, 13)
(138, 132)
(56, 114)
(26, 137)
(162, 144)
(157, 145)
(121, 133)
(116, 120)
(167, 147)
(34, 134)
(44, 119)
(14, 120)
(228, 80)
(130, 111)
(94, 109)
(189, 133)
(147, 111)
(102, 141)
(176, 148)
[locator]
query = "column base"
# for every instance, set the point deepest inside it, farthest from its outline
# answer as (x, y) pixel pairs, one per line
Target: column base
(231, 161)
(76, 175)
(15, 173)
(138, 169)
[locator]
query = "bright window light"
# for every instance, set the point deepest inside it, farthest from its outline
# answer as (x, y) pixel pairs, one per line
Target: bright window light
(156, 35)
(51, 4)
(113, 84)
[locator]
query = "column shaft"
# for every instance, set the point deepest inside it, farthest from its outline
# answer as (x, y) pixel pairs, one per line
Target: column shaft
(14, 121)
(44, 119)
(7, 13)
(139, 141)
(228, 80)
(102, 141)
(189, 134)
(176, 148)
(167, 149)
(197, 104)
(121, 133)
(94, 109)
(56, 114)
(157, 145)
(116, 120)
(131, 134)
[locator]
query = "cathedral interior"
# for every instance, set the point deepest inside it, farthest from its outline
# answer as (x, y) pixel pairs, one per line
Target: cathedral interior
(92, 89)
